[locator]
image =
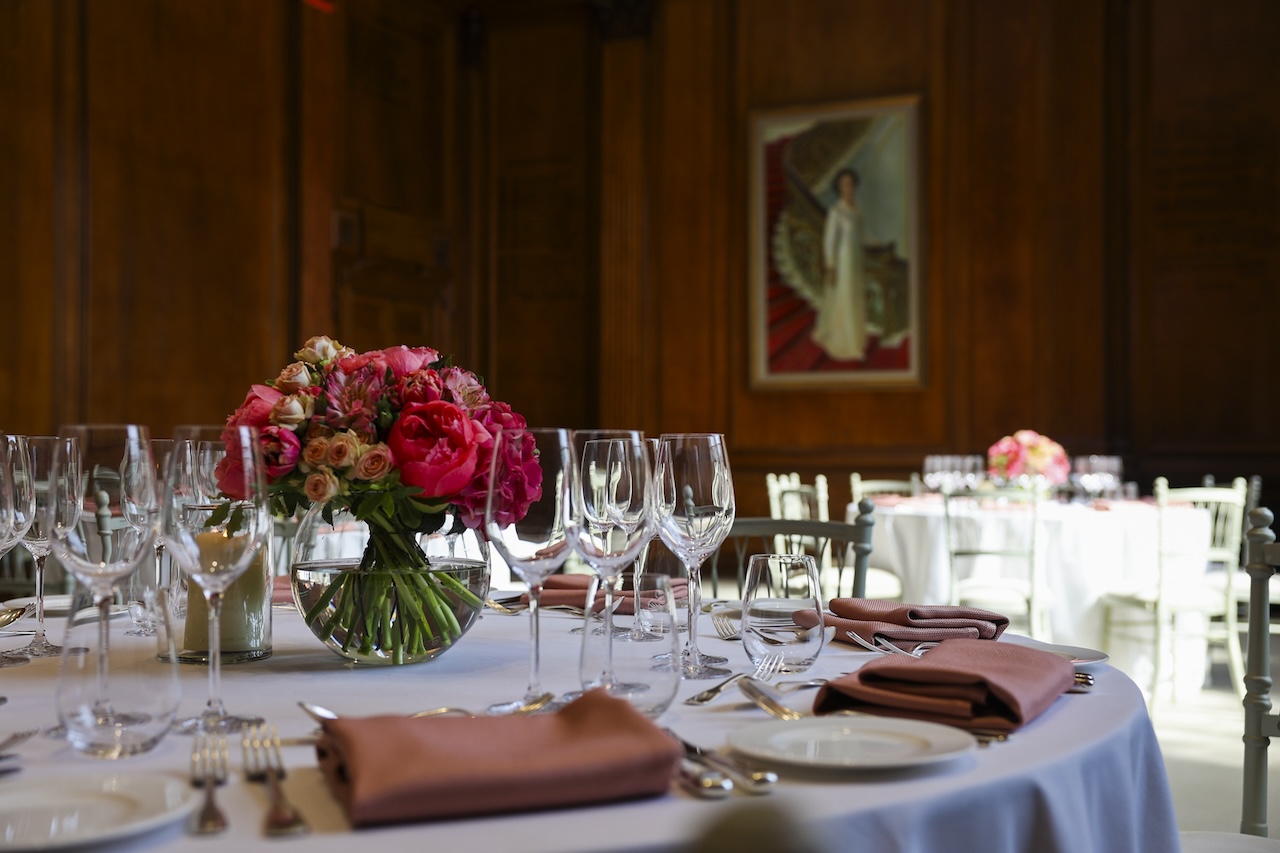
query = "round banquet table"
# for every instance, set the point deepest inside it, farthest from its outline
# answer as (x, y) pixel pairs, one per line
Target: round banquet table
(1087, 775)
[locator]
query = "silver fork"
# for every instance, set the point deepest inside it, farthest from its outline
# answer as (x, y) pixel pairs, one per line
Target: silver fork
(768, 667)
(208, 771)
(263, 762)
(728, 631)
(17, 738)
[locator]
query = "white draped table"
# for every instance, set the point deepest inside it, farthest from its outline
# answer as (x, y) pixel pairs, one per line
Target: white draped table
(1085, 551)
(1086, 776)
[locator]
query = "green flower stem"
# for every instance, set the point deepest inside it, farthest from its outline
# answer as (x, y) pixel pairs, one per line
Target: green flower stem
(393, 603)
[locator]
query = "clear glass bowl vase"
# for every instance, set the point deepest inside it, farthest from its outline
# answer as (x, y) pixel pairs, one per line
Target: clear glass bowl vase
(379, 595)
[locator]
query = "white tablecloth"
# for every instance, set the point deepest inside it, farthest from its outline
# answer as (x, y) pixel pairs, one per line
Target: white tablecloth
(1086, 551)
(1085, 776)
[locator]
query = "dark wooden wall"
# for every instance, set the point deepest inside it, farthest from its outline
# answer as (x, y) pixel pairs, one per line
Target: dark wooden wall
(556, 191)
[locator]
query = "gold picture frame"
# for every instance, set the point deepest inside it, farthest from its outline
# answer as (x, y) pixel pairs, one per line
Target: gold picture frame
(835, 246)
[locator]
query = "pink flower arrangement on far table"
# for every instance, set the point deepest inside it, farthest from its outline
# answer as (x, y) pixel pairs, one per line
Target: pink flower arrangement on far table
(1028, 454)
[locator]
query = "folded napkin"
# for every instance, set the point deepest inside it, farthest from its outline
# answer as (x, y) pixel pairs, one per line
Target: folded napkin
(971, 684)
(391, 769)
(906, 625)
(281, 590)
(571, 590)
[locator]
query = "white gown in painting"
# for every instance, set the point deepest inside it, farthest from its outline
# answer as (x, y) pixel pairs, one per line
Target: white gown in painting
(841, 327)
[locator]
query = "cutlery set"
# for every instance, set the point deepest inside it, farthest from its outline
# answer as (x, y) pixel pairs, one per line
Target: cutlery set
(8, 760)
(262, 762)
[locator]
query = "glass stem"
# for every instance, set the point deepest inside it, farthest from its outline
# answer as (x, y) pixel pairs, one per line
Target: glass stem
(609, 582)
(692, 657)
(214, 707)
(535, 654)
(39, 573)
(102, 600)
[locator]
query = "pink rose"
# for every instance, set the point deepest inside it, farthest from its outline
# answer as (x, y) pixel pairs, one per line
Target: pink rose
(343, 450)
(292, 410)
(403, 360)
(293, 378)
(280, 449)
(373, 464)
(322, 350)
(321, 486)
(315, 453)
(434, 445)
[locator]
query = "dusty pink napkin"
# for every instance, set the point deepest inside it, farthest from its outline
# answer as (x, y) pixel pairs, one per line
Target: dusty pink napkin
(391, 769)
(281, 590)
(572, 590)
(906, 625)
(972, 684)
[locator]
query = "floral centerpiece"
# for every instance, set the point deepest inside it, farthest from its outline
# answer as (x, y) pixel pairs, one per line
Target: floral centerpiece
(1028, 455)
(402, 440)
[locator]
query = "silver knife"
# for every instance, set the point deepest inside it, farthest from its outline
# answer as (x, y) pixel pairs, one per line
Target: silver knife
(751, 781)
(703, 781)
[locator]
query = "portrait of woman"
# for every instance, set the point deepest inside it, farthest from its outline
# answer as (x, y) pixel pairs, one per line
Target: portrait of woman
(841, 327)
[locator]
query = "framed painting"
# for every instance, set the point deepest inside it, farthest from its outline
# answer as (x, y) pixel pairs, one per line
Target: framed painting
(835, 246)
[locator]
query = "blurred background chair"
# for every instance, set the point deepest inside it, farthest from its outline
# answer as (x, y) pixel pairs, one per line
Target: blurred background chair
(790, 498)
(1260, 725)
(1149, 612)
(844, 547)
(992, 543)
(861, 488)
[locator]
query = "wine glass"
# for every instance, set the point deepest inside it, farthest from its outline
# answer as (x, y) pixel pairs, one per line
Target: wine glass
(143, 585)
(613, 508)
(34, 492)
(533, 466)
(10, 532)
(695, 510)
(214, 522)
(99, 476)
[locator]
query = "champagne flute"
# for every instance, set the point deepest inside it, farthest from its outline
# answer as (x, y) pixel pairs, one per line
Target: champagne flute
(614, 513)
(144, 584)
(214, 522)
(35, 490)
(10, 531)
(695, 510)
(533, 466)
(100, 475)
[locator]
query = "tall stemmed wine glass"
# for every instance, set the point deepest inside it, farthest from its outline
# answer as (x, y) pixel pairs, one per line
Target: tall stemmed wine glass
(143, 586)
(10, 532)
(35, 491)
(527, 518)
(695, 510)
(99, 476)
(214, 522)
(614, 513)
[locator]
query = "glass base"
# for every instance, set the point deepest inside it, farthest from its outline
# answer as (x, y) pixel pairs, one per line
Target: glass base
(226, 724)
(693, 671)
(40, 647)
(13, 660)
(500, 709)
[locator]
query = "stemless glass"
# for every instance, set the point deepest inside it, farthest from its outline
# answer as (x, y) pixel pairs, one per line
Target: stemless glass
(214, 522)
(533, 465)
(99, 476)
(613, 508)
(782, 610)
(34, 492)
(695, 510)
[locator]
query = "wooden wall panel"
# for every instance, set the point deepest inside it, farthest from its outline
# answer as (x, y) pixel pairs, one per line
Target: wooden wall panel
(1206, 238)
(540, 227)
(29, 31)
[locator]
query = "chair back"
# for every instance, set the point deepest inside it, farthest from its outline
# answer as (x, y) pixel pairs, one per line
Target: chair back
(844, 546)
(1226, 507)
(986, 529)
(861, 488)
(790, 498)
(1260, 725)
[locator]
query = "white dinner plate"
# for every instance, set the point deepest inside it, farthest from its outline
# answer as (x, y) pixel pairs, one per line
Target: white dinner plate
(852, 743)
(54, 605)
(725, 607)
(46, 814)
(1083, 659)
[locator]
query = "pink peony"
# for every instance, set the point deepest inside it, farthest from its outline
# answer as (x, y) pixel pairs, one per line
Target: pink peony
(493, 416)
(420, 386)
(435, 447)
(280, 450)
(464, 387)
(255, 411)
(520, 487)
(404, 360)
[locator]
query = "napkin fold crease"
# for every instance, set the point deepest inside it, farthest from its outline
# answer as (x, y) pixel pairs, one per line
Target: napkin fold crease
(907, 625)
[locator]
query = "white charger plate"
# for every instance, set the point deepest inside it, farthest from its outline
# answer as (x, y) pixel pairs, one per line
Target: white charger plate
(852, 743)
(1082, 659)
(54, 605)
(46, 814)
